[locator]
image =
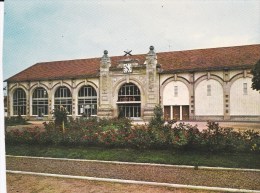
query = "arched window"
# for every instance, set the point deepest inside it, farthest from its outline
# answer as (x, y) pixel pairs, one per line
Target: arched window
(129, 101)
(87, 101)
(63, 98)
(40, 102)
(19, 102)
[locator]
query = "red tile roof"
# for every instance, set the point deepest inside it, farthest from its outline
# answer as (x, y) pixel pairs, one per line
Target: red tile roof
(189, 60)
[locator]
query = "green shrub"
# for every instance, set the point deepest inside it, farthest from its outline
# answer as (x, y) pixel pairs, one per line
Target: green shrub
(60, 115)
(18, 120)
(157, 120)
(120, 133)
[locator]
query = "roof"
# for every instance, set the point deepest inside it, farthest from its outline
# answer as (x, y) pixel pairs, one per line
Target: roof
(170, 62)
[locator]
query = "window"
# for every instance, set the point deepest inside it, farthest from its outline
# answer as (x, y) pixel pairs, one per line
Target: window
(87, 101)
(175, 91)
(40, 102)
(245, 88)
(208, 90)
(63, 98)
(19, 102)
(129, 101)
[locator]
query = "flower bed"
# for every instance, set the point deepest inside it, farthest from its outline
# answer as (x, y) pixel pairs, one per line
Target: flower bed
(120, 133)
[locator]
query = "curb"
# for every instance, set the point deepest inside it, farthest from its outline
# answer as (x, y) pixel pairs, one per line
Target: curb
(134, 182)
(142, 164)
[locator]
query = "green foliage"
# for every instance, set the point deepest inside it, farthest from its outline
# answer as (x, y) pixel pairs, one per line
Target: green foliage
(256, 76)
(157, 120)
(60, 115)
(120, 133)
(19, 120)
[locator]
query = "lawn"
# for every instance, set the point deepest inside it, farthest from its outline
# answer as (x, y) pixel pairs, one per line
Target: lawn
(233, 160)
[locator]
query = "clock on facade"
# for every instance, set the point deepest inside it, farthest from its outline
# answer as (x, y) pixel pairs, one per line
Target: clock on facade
(127, 68)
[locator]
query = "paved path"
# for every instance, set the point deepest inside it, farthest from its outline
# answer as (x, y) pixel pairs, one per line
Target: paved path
(151, 173)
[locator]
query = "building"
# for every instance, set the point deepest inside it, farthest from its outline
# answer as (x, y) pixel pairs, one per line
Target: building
(5, 106)
(203, 84)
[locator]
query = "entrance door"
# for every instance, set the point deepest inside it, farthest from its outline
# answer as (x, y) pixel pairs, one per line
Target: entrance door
(176, 112)
(167, 112)
(185, 112)
(40, 111)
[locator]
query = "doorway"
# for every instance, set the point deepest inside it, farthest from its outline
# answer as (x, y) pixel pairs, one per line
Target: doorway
(185, 112)
(176, 112)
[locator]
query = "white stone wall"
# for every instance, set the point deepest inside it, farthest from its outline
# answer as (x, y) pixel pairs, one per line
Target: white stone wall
(217, 73)
(197, 75)
(234, 73)
(244, 104)
(168, 94)
(209, 105)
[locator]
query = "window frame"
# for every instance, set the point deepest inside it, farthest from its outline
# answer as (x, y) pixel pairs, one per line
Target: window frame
(19, 102)
(175, 91)
(129, 101)
(245, 89)
(63, 97)
(40, 101)
(87, 101)
(209, 90)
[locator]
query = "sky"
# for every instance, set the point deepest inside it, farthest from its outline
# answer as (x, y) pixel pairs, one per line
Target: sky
(51, 30)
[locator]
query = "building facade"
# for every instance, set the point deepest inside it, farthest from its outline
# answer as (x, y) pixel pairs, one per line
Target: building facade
(205, 84)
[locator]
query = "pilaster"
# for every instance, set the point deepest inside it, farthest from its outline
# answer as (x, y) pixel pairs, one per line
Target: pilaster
(152, 88)
(192, 96)
(226, 97)
(50, 102)
(74, 99)
(105, 109)
(28, 101)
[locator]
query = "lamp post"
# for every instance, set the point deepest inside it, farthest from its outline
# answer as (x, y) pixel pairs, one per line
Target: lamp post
(63, 128)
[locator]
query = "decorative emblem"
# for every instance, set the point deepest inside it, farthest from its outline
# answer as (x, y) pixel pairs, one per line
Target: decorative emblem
(128, 53)
(127, 68)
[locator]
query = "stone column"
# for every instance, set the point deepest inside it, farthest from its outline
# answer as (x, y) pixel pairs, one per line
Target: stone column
(152, 87)
(74, 99)
(226, 95)
(50, 102)
(8, 100)
(105, 109)
(28, 101)
(192, 96)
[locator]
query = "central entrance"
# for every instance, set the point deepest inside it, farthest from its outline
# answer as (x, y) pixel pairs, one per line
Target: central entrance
(176, 112)
(129, 101)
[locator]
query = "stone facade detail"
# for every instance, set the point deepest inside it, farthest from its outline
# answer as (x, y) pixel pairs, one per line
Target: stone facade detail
(209, 94)
(105, 109)
(152, 86)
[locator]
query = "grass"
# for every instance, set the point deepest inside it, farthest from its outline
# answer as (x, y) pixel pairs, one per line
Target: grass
(233, 160)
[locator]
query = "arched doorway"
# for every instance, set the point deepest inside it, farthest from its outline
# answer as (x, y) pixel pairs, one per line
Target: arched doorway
(176, 101)
(129, 101)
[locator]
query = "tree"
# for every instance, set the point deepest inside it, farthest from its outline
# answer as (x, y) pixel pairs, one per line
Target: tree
(157, 120)
(60, 115)
(256, 76)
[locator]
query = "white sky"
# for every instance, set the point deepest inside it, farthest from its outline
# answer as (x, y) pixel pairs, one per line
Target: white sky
(49, 30)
